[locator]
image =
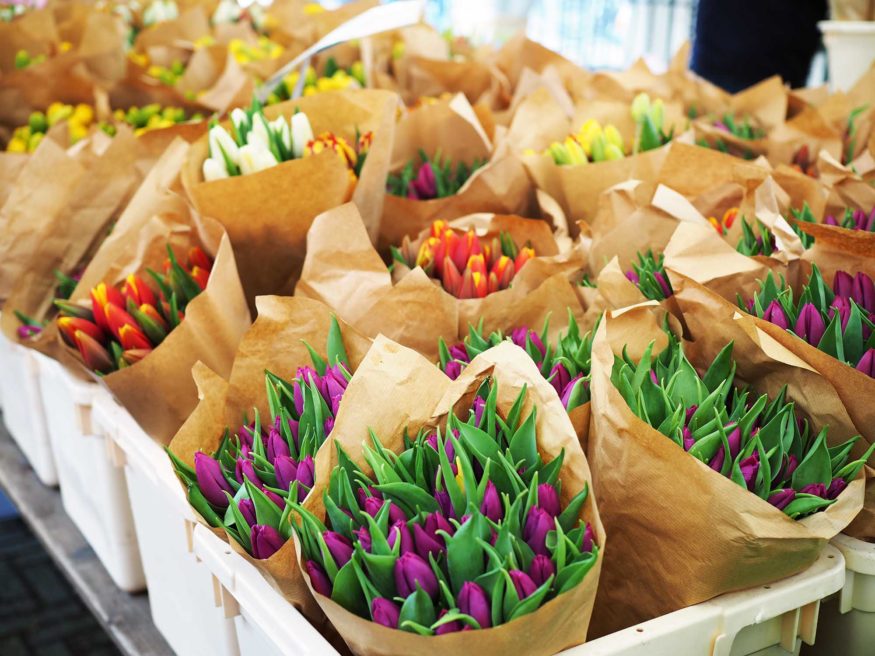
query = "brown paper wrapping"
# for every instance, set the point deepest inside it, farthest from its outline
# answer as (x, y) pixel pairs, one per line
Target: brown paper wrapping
(452, 129)
(710, 278)
(426, 400)
(267, 214)
(349, 276)
(698, 548)
(275, 343)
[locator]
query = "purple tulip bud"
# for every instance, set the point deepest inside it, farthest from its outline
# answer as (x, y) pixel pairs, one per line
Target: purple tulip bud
(277, 499)
(411, 569)
(293, 427)
(339, 547)
(372, 506)
(587, 541)
(247, 435)
(437, 522)
(328, 425)
(843, 284)
(809, 324)
(211, 480)
(472, 600)
(782, 498)
(453, 369)
(522, 583)
(653, 377)
(864, 292)
(396, 514)
(541, 569)
(749, 468)
(426, 544)
(829, 219)
(445, 504)
(548, 499)
(335, 394)
(479, 406)
(569, 388)
(816, 489)
(245, 469)
(449, 627)
(491, 505)
(318, 578)
(298, 397)
(385, 612)
(247, 509)
(689, 413)
(836, 487)
(867, 363)
(687, 435)
(363, 535)
(266, 541)
(26, 331)
(663, 283)
(842, 306)
(734, 439)
(519, 336)
(306, 474)
(559, 377)
(775, 314)
(449, 449)
(538, 524)
(633, 277)
(425, 183)
(286, 470)
(791, 462)
(400, 529)
(276, 445)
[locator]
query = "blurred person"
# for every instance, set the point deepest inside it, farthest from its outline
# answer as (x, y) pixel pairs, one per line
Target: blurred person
(739, 43)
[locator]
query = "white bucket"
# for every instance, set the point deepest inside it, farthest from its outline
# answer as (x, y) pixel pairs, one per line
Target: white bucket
(850, 46)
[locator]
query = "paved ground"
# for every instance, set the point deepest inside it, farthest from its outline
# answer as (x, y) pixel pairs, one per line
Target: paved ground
(40, 613)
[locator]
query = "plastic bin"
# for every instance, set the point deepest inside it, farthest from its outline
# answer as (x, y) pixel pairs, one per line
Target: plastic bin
(847, 624)
(23, 408)
(772, 620)
(850, 47)
(93, 490)
(181, 592)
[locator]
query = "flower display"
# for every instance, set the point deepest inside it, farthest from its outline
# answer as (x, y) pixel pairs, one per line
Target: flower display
(124, 324)
(334, 78)
(465, 266)
(449, 535)
(243, 486)
(838, 320)
(590, 143)
(756, 240)
(649, 118)
(758, 442)
(149, 117)
(431, 177)
(648, 274)
(565, 364)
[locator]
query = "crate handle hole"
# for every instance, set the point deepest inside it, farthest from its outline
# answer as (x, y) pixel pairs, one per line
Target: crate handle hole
(640, 630)
(767, 587)
(830, 556)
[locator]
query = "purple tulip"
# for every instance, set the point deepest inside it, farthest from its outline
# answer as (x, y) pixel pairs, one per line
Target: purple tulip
(782, 498)
(842, 306)
(26, 331)
(472, 600)
(426, 544)
(749, 468)
(791, 462)
(569, 388)
(836, 487)
(519, 336)
(816, 489)
(372, 506)
(843, 284)
(687, 435)
(328, 425)
(276, 445)
(211, 480)
(306, 472)
(445, 503)
(247, 509)
(633, 277)
(245, 469)
(775, 314)
(538, 524)
(548, 499)
(829, 219)
(400, 529)
(293, 427)
(277, 499)
(339, 547)
(286, 471)
(663, 283)
(588, 539)
(318, 578)
(867, 363)
(424, 184)
(266, 541)
(298, 396)
(437, 522)
(809, 324)
(411, 569)
(363, 535)
(559, 377)
(491, 505)
(247, 435)
(479, 406)
(522, 583)
(541, 569)
(864, 291)
(453, 369)
(734, 439)
(449, 627)
(385, 612)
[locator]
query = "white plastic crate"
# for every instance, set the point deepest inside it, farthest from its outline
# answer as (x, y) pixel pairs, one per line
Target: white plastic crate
(23, 409)
(847, 624)
(771, 620)
(93, 490)
(266, 624)
(181, 591)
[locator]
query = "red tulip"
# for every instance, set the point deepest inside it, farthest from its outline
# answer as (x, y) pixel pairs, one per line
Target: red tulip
(136, 289)
(93, 354)
(197, 258)
(69, 325)
(101, 296)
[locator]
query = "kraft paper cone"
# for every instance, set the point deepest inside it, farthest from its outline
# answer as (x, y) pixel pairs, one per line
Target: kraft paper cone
(845, 188)
(35, 32)
(267, 214)
(519, 53)
(426, 400)
(698, 548)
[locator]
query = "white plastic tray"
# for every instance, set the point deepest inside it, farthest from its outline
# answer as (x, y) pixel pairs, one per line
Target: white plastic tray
(181, 591)
(23, 409)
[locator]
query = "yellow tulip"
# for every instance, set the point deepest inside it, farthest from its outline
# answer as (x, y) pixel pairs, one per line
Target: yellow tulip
(83, 114)
(77, 132)
(612, 134)
(34, 141)
(16, 145)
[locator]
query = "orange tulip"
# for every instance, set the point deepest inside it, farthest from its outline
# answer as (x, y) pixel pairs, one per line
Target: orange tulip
(116, 318)
(133, 356)
(69, 325)
(101, 296)
(131, 337)
(136, 289)
(526, 253)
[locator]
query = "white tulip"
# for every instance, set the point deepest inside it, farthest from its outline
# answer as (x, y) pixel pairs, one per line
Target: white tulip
(214, 169)
(281, 128)
(259, 132)
(240, 120)
(219, 137)
(255, 157)
(302, 133)
(228, 11)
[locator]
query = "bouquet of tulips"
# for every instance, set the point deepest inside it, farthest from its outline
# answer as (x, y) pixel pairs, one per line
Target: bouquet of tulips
(79, 120)
(839, 321)
(744, 462)
(333, 78)
(648, 274)
(465, 266)
(849, 218)
(395, 542)
(432, 178)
